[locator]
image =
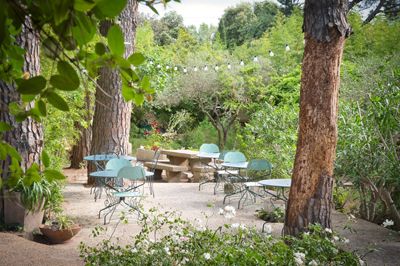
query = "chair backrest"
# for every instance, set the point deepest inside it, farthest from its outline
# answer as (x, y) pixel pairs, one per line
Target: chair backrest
(209, 148)
(116, 164)
(132, 173)
(234, 157)
(259, 165)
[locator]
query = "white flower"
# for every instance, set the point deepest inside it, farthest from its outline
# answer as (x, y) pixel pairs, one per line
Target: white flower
(134, 250)
(335, 238)
(184, 238)
(243, 227)
(306, 233)
(184, 260)
(328, 230)
(166, 249)
(299, 258)
(207, 256)
(229, 208)
(362, 263)
(313, 263)
(387, 223)
(221, 211)
(268, 229)
(236, 225)
(346, 240)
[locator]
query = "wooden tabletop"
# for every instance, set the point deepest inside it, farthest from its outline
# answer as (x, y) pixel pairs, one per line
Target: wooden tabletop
(181, 153)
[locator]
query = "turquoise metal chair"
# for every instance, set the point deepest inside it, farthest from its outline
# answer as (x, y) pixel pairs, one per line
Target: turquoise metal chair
(208, 148)
(231, 176)
(116, 164)
(257, 169)
(137, 176)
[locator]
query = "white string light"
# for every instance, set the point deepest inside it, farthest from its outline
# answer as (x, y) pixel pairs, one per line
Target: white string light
(271, 53)
(216, 67)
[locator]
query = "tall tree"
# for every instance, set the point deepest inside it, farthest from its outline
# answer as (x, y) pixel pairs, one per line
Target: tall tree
(310, 200)
(111, 121)
(287, 6)
(25, 136)
(390, 8)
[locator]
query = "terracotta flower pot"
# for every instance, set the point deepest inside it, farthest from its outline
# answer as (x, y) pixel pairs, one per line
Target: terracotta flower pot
(59, 236)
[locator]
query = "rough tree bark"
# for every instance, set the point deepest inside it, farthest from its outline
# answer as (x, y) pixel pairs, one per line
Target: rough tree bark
(111, 121)
(310, 199)
(27, 136)
(82, 147)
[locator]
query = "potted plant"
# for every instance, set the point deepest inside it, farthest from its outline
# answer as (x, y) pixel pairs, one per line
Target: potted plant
(26, 194)
(59, 229)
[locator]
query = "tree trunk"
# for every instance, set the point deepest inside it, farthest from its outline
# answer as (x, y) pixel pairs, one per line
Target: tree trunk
(112, 118)
(82, 147)
(27, 136)
(310, 198)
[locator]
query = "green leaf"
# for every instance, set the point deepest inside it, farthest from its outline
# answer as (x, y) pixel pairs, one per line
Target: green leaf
(109, 8)
(53, 175)
(139, 99)
(31, 86)
(152, 8)
(45, 159)
(4, 126)
(68, 79)
(42, 107)
(136, 59)
(57, 101)
(100, 48)
(83, 5)
(145, 83)
(115, 39)
(27, 98)
(84, 29)
(128, 93)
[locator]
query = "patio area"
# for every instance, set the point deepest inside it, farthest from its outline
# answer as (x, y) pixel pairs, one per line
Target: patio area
(193, 205)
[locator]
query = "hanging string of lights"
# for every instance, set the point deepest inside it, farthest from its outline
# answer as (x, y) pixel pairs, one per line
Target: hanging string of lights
(205, 68)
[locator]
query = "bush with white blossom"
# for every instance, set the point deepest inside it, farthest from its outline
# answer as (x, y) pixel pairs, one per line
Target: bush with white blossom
(167, 239)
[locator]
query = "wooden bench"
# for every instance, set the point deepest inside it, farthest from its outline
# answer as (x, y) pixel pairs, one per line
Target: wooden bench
(174, 172)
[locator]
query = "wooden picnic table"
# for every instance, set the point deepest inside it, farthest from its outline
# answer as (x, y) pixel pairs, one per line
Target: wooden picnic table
(183, 165)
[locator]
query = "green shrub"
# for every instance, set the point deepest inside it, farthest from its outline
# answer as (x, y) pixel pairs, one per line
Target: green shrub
(235, 244)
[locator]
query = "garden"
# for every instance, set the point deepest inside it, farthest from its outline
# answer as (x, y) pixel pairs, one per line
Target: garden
(94, 92)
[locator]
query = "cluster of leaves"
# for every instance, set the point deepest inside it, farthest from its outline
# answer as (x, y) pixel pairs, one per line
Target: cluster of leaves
(277, 215)
(166, 239)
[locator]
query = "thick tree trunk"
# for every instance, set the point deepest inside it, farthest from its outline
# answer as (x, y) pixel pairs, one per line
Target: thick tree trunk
(27, 136)
(82, 147)
(310, 198)
(111, 121)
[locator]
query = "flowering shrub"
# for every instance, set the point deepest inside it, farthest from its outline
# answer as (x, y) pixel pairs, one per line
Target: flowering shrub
(156, 139)
(166, 239)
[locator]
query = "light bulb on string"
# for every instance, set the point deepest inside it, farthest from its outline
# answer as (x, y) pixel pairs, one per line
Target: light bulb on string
(271, 53)
(167, 67)
(287, 48)
(241, 63)
(195, 69)
(216, 68)
(175, 68)
(184, 70)
(151, 62)
(158, 66)
(255, 59)
(229, 66)
(205, 68)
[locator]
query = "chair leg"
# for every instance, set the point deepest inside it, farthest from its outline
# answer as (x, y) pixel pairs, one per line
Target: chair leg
(108, 207)
(112, 212)
(243, 194)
